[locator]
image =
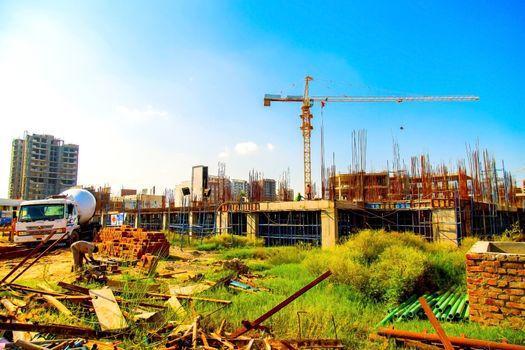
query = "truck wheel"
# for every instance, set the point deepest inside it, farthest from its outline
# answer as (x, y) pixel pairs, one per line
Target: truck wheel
(73, 237)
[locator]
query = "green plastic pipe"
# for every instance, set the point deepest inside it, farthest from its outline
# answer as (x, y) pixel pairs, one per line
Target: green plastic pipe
(442, 306)
(394, 312)
(442, 298)
(461, 307)
(452, 314)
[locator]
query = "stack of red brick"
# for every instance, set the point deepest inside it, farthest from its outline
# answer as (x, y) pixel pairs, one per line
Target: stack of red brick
(496, 284)
(131, 243)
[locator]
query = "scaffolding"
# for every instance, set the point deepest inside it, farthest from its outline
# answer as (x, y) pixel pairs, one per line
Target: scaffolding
(290, 228)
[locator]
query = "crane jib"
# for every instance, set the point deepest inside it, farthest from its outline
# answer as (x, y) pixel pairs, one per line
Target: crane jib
(279, 98)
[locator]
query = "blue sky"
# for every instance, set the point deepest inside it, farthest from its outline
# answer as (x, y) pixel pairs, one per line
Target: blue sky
(148, 89)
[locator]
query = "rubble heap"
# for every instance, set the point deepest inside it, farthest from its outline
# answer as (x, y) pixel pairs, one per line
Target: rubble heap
(131, 243)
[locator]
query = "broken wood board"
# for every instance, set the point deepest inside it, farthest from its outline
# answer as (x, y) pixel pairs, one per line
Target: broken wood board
(189, 289)
(176, 306)
(58, 305)
(108, 312)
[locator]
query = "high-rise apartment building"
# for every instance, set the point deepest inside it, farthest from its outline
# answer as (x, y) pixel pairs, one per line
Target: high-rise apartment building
(41, 166)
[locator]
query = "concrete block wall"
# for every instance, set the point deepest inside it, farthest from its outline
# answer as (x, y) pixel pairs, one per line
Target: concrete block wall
(496, 283)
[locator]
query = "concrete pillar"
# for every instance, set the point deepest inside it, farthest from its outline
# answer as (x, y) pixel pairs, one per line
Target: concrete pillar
(252, 224)
(329, 227)
(137, 220)
(165, 221)
(221, 222)
(192, 220)
(444, 225)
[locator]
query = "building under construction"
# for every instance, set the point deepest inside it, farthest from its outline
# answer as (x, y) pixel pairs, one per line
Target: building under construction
(473, 198)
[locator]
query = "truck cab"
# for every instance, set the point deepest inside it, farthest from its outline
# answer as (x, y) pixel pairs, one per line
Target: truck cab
(60, 215)
(38, 218)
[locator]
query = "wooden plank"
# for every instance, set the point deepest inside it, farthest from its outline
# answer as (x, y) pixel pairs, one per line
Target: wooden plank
(176, 306)
(108, 312)
(189, 289)
(58, 305)
(54, 329)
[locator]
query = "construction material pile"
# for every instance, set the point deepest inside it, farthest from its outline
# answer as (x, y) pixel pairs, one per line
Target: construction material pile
(131, 243)
(451, 305)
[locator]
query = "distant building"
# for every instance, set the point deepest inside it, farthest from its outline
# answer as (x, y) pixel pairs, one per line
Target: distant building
(127, 192)
(268, 190)
(239, 187)
(41, 166)
(219, 189)
(199, 182)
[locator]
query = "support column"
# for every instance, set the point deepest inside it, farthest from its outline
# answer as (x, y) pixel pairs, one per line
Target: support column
(137, 220)
(329, 228)
(165, 221)
(252, 224)
(192, 219)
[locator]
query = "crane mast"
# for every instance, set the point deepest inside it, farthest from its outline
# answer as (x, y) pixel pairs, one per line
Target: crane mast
(306, 115)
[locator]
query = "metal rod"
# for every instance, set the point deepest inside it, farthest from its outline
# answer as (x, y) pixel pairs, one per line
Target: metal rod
(38, 257)
(249, 325)
(458, 341)
(36, 249)
(437, 326)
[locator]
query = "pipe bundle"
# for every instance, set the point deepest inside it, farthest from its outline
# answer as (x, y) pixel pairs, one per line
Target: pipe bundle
(451, 305)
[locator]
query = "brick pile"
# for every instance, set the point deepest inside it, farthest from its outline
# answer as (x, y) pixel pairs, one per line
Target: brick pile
(496, 287)
(131, 243)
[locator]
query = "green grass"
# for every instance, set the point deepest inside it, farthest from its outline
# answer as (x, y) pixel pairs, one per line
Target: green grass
(372, 271)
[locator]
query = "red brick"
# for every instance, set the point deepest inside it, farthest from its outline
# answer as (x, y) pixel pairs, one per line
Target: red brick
(503, 297)
(512, 258)
(502, 271)
(515, 305)
(517, 285)
(503, 283)
(474, 280)
(489, 275)
(497, 316)
(516, 291)
(512, 271)
(492, 308)
(470, 262)
(492, 282)
(510, 265)
(474, 256)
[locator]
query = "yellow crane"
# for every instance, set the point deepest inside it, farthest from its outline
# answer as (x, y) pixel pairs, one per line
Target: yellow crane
(306, 115)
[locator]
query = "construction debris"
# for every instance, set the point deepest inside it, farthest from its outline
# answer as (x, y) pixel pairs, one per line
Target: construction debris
(131, 243)
(441, 338)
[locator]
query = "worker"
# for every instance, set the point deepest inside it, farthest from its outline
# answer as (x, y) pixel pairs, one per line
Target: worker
(80, 249)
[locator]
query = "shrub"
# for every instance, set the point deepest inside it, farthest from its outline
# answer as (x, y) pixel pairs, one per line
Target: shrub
(396, 273)
(231, 241)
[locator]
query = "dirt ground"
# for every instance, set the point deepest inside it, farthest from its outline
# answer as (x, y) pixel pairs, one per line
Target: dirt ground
(56, 266)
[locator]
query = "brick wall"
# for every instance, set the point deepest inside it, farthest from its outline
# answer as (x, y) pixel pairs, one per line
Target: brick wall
(496, 283)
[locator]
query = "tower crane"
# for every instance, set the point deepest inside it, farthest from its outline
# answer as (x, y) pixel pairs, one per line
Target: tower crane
(306, 115)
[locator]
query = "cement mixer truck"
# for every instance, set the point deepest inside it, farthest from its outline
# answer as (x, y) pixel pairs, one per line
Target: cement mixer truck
(69, 213)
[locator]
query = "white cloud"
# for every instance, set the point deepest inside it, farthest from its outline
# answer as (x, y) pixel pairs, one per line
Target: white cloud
(244, 148)
(134, 114)
(225, 153)
(270, 146)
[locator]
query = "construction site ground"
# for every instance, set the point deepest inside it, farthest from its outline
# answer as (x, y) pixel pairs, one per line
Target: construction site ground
(328, 313)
